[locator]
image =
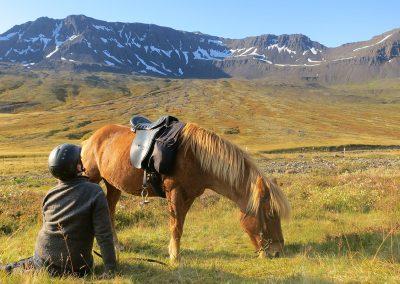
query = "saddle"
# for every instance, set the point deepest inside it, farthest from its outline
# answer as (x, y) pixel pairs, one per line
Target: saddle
(154, 148)
(139, 122)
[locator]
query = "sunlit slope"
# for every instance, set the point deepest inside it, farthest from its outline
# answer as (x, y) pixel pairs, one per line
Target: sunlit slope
(40, 109)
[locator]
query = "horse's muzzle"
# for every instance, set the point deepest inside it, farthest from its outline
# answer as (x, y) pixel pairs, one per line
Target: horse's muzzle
(274, 250)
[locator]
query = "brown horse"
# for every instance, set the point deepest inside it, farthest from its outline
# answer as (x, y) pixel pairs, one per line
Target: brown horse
(204, 161)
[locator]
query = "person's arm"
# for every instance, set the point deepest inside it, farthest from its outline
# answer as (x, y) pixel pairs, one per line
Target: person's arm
(103, 232)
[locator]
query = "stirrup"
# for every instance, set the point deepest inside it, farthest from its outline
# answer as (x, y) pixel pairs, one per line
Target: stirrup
(145, 191)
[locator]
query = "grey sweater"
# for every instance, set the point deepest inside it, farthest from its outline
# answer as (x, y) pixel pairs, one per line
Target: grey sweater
(74, 212)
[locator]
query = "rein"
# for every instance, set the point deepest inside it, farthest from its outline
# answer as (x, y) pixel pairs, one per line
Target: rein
(137, 258)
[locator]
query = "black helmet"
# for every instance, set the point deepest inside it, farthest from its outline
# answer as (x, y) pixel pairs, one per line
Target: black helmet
(63, 161)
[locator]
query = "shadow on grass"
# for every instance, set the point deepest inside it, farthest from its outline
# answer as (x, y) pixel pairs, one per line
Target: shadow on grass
(152, 250)
(372, 244)
(153, 273)
(367, 244)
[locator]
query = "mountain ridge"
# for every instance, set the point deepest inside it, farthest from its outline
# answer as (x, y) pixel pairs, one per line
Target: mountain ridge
(78, 42)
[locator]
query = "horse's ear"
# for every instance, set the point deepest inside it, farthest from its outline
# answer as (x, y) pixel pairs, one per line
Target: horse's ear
(275, 181)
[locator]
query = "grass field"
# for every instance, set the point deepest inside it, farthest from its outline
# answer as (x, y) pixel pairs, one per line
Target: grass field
(346, 206)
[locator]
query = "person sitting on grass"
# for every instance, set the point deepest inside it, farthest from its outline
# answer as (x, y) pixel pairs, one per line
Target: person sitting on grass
(74, 212)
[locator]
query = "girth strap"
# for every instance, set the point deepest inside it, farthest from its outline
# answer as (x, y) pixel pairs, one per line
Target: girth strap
(155, 180)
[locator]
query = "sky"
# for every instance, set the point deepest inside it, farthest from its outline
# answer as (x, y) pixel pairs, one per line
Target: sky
(331, 23)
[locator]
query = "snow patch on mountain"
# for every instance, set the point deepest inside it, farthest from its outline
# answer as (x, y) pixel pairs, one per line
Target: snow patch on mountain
(217, 54)
(71, 38)
(345, 58)
(202, 54)
(368, 46)
(167, 52)
(88, 44)
(43, 39)
(153, 48)
(8, 36)
(107, 53)
(148, 67)
(241, 51)
(296, 65)
(51, 53)
(109, 63)
(264, 60)
(177, 53)
(24, 51)
(185, 53)
(56, 33)
(281, 48)
(165, 68)
(215, 41)
(103, 28)
(119, 45)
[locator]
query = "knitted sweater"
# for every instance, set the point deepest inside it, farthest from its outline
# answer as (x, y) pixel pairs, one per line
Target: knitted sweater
(74, 212)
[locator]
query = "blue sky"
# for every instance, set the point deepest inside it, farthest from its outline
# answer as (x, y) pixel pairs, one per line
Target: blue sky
(331, 24)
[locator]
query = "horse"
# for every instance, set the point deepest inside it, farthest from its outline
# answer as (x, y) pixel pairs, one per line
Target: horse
(204, 160)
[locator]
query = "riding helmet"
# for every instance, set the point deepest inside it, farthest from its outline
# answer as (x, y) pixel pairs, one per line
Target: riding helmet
(63, 161)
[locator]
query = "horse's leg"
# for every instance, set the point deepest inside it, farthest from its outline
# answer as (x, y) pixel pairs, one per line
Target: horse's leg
(178, 207)
(113, 195)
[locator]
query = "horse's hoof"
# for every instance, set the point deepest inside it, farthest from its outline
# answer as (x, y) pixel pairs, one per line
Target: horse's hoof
(175, 260)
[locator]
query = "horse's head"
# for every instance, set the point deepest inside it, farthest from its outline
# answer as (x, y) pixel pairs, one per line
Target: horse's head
(271, 237)
(273, 207)
(265, 232)
(264, 227)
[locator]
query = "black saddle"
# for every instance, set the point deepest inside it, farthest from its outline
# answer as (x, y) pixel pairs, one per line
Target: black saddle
(139, 122)
(155, 144)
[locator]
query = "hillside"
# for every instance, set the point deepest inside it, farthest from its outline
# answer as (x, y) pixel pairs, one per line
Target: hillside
(39, 109)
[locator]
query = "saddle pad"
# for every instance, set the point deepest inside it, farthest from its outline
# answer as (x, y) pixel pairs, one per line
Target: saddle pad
(165, 149)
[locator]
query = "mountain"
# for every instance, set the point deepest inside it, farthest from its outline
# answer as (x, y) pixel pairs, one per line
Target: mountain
(82, 43)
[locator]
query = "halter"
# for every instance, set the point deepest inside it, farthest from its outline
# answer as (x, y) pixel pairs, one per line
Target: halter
(268, 242)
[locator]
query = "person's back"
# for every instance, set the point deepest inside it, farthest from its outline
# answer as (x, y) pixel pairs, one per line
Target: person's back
(74, 212)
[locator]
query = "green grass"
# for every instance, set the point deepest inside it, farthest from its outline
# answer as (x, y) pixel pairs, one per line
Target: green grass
(344, 225)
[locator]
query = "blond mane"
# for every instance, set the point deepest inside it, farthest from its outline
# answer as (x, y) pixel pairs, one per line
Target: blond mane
(229, 163)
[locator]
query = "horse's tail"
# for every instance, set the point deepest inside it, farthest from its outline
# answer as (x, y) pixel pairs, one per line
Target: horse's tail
(263, 189)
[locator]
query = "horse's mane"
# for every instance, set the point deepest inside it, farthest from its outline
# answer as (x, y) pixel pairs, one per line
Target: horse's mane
(229, 163)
